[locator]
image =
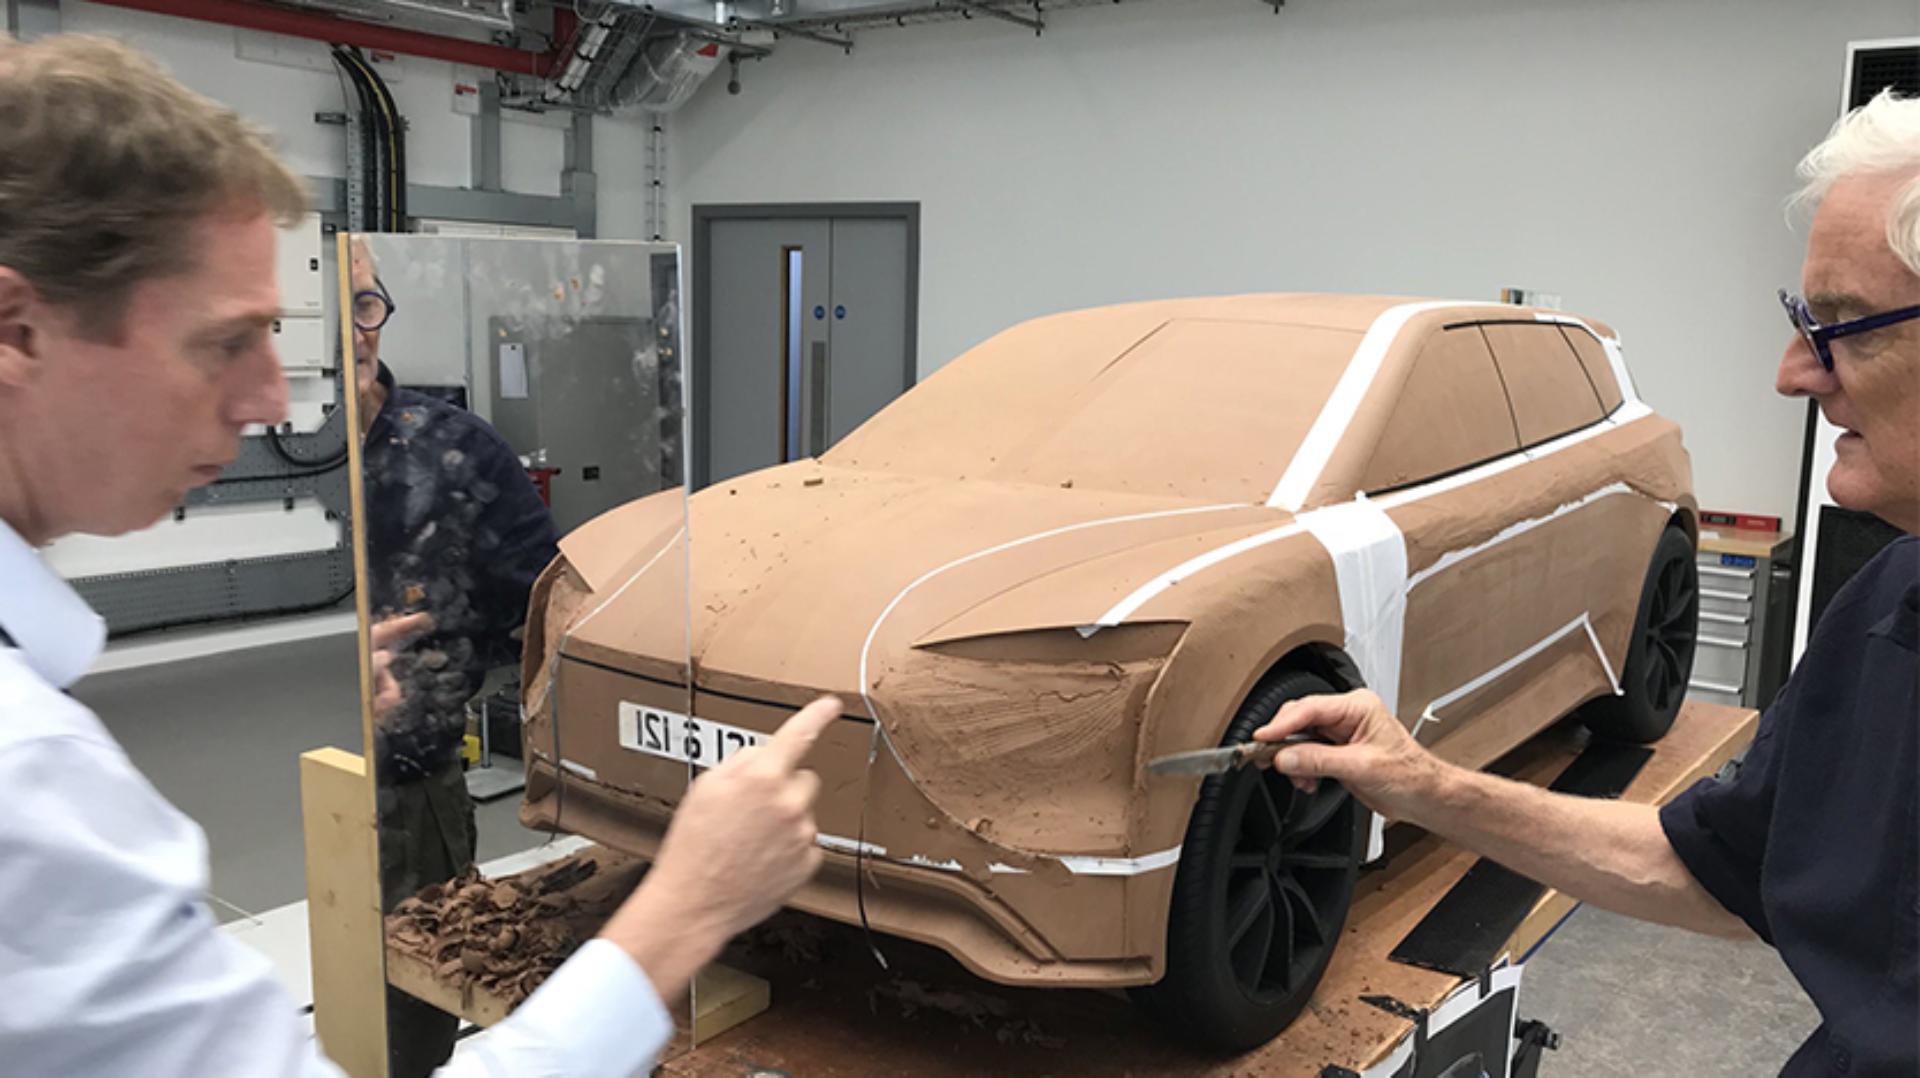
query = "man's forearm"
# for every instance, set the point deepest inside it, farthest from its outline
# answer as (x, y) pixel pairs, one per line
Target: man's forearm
(1611, 854)
(666, 936)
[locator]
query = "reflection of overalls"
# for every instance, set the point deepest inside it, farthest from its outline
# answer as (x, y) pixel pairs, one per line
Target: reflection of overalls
(456, 529)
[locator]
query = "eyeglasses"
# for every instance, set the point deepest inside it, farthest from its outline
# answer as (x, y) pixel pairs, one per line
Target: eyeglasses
(1820, 338)
(373, 307)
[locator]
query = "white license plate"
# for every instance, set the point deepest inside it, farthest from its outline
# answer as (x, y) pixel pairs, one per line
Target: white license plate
(681, 737)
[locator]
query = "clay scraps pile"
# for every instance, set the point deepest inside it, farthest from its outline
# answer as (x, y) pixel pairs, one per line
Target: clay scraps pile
(507, 936)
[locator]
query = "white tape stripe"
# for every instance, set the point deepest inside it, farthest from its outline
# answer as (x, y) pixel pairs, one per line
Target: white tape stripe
(1376, 838)
(1615, 357)
(1370, 575)
(581, 770)
(1584, 621)
(867, 647)
(1612, 678)
(1316, 449)
(1147, 592)
(1078, 865)
(1445, 700)
(638, 573)
(1122, 866)
(1143, 594)
(1629, 412)
(1454, 557)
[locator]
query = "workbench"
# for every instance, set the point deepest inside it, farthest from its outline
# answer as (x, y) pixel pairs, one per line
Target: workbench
(835, 1011)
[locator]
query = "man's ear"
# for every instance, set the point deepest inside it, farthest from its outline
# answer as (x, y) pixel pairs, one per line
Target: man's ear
(20, 336)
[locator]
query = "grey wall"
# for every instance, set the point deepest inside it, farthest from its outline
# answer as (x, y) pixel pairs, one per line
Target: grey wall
(1630, 155)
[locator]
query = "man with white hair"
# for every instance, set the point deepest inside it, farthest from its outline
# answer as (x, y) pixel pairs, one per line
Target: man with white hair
(1815, 845)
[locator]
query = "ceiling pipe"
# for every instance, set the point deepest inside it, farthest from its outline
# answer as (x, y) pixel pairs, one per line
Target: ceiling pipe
(329, 28)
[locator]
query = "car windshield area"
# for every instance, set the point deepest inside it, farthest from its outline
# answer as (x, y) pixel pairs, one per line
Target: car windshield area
(1189, 408)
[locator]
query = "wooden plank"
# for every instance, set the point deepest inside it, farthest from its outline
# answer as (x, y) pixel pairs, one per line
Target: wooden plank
(1713, 742)
(343, 911)
(722, 998)
(1743, 542)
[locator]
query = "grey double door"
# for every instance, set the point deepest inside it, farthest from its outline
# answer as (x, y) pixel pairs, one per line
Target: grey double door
(808, 324)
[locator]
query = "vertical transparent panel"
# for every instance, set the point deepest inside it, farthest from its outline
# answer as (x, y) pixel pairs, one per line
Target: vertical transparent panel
(794, 324)
(522, 424)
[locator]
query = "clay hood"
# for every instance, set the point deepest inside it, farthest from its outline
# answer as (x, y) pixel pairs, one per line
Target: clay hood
(804, 574)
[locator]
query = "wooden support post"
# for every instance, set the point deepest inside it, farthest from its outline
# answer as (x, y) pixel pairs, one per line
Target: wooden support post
(344, 927)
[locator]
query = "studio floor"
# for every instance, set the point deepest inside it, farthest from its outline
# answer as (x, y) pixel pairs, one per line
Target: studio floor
(220, 736)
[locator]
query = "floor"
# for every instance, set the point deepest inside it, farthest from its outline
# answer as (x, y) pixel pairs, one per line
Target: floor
(220, 737)
(1630, 998)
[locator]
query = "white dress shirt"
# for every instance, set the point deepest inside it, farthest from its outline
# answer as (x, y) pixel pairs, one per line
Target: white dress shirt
(111, 964)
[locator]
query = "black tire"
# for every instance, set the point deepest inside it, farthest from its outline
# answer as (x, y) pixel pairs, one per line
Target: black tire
(1660, 652)
(1262, 864)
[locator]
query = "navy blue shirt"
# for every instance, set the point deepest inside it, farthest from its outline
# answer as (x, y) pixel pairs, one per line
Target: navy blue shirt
(1815, 842)
(454, 528)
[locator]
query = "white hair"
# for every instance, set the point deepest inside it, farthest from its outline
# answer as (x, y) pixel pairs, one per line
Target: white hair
(1881, 137)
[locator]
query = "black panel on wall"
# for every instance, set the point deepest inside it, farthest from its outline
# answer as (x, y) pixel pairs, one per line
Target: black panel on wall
(1895, 67)
(1848, 540)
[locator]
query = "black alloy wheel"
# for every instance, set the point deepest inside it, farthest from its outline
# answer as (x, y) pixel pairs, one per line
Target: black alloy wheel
(1660, 652)
(1670, 631)
(1266, 877)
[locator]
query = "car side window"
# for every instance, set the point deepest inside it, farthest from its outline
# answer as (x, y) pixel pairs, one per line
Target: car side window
(1546, 382)
(1593, 356)
(1452, 414)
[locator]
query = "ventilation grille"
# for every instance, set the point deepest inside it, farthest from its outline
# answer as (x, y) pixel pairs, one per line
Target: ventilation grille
(1876, 69)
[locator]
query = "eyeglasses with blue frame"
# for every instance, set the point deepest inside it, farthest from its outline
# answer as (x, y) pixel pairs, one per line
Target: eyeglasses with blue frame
(372, 307)
(1820, 338)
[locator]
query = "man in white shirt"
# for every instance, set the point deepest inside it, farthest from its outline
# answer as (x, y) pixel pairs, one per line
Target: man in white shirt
(137, 298)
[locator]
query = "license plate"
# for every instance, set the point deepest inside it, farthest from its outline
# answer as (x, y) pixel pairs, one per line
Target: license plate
(681, 737)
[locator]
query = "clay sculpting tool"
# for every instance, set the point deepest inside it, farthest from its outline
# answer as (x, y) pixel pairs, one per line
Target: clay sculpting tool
(1225, 758)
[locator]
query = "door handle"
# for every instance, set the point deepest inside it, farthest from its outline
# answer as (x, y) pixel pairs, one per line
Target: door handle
(817, 388)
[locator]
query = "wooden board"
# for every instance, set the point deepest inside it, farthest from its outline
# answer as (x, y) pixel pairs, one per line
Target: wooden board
(724, 997)
(721, 999)
(840, 1014)
(343, 911)
(1744, 542)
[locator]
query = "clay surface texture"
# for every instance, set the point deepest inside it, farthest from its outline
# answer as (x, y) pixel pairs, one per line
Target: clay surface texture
(1083, 545)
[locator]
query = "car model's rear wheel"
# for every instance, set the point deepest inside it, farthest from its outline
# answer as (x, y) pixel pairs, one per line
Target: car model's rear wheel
(1266, 878)
(1660, 653)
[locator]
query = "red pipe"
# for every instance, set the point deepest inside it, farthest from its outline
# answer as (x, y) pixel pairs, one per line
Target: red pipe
(565, 26)
(321, 27)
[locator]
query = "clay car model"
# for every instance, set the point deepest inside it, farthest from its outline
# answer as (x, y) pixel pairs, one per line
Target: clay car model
(1111, 535)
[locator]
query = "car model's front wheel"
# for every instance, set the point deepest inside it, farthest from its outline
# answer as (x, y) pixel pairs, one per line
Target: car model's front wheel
(1266, 877)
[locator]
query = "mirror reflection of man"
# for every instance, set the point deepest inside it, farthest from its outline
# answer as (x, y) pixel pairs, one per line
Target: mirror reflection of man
(137, 301)
(455, 532)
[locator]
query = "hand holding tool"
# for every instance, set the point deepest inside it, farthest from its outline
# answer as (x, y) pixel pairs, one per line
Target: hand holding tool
(1225, 758)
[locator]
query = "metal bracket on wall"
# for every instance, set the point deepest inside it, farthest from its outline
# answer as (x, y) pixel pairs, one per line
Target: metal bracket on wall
(355, 186)
(577, 180)
(462, 204)
(30, 19)
(657, 178)
(223, 591)
(1038, 23)
(259, 474)
(486, 138)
